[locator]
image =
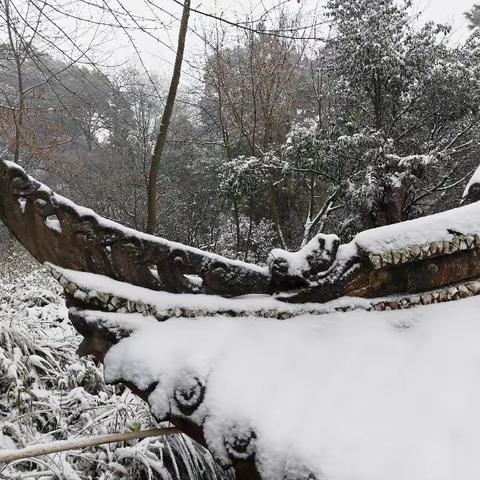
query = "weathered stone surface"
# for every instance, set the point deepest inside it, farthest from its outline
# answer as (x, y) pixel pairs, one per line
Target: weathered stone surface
(116, 301)
(416, 251)
(71, 288)
(140, 307)
(463, 291)
(474, 287)
(376, 261)
(103, 297)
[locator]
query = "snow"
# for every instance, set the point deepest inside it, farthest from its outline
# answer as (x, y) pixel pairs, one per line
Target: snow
(115, 322)
(166, 301)
(195, 279)
(474, 179)
(464, 220)
(298, 261)
(22, 201)
(352, 396)
(6, 443)
(53, 223)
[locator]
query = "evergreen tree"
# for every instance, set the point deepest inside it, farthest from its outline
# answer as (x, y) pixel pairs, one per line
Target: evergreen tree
(473, 16)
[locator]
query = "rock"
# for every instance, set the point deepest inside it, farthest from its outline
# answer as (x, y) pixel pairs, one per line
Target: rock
(438, 247)
(463, 291)
(117, 302)
(426, 299)
(443, 296)
(477, 241)
(71, 288)
(80, 295)
(376, 261)
(387, 258)
(103, 297)
(452, 292)
(470, 240)
(140, 307)
(397, 258)
(463, 244)
(456, 240)
(474, 287)
(447, 247)
(295, 470)
(426, 250)
(416, 251)
(415, 300)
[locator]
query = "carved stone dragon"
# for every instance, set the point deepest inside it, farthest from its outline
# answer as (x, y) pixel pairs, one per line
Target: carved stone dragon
(429, 260)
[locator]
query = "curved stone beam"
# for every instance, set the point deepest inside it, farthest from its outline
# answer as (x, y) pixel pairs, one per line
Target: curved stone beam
(56, 230)
(374, 264)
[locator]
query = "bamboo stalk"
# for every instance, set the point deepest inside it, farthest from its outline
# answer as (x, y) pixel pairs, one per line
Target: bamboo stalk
(84, 442)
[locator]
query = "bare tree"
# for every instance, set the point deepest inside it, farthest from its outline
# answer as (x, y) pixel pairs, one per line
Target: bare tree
(166, 117)
(20, 46)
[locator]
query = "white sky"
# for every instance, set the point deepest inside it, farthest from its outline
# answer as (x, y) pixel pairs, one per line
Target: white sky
(447, 11)
(159, 58)
(113, 47)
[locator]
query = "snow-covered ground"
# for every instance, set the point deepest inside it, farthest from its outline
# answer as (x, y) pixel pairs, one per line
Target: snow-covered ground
(48, 393)
(354, 396)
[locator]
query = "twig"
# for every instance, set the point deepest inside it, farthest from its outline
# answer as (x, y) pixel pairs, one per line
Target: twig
(78, 443)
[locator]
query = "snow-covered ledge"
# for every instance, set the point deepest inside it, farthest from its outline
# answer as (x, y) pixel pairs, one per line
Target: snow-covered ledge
(356, 395)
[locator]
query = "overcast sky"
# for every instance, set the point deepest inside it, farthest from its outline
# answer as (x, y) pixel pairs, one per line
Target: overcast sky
(159, 58)
(450, 11)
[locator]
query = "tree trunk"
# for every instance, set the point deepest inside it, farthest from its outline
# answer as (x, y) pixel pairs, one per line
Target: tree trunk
(250, 228)
(276, 217)
(236, 216)
(388, 210)
(19, 112)
(309, 222)
(167, 114)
